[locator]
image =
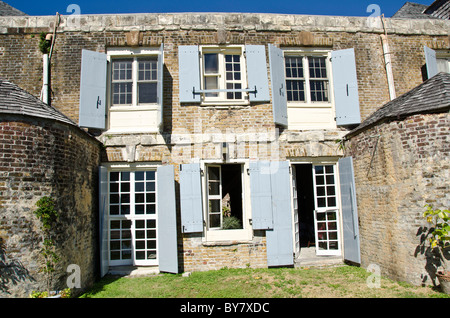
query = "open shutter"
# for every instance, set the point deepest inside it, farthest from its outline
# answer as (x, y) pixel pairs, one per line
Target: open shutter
(167, 220)
(189, 73)
(103, 220)
(349, 211)
(191, 198)
(430, 58)
(160, 74)
(257, 72)
(345, 84)
(277, 76)
(261, 195)
(280, 251)
(92, 90)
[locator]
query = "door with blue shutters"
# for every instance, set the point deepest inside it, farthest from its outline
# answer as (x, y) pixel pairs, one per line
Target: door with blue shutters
(138, 218)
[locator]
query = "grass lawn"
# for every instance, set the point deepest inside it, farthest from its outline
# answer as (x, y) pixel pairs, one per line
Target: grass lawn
(328, 282)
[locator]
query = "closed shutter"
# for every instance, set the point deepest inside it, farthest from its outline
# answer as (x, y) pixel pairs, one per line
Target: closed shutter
(167, 221)
(103, 220)
(257, 72)
(430, 58)
(160, 74)
(189, 73)
(92, 90)
(280, 250)
(261, 195)
(349, 211)
(277, 76)
(345, 84)
(191, 198)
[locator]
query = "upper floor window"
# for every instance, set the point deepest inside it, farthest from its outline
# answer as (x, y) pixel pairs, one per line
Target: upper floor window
(135, 89)
(307, 78)
(223, 74)
(134, 81)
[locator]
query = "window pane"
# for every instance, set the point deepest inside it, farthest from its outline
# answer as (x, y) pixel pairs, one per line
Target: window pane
(122, 93)
(317, 67)
(214, 205)
(294, 67)
(319, 91)
(213, 173)
(295, 90)
(211, 63)
(122, 70)
(147, 70)
(211, 82)
(214, 220)
(147, 93)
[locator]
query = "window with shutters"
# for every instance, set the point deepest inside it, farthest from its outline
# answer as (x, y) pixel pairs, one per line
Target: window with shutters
(443, 61)
(133, 97)
(309, 89)
(226, 212)
(223, 75)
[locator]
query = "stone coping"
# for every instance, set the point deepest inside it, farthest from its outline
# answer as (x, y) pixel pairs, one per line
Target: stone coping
(262, 22)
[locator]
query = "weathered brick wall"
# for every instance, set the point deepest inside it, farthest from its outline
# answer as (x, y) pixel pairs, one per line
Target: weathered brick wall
(394, 180)
(43, 158)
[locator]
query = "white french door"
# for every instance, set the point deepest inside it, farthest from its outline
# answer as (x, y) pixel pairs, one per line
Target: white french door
(326, 213)
(132, 218)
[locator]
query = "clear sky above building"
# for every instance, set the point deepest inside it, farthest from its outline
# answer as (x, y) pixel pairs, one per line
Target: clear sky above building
(323, 7)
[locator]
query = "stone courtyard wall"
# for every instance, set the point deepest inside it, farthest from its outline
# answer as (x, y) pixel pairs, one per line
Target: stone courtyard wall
(39, 157)
(399, 167)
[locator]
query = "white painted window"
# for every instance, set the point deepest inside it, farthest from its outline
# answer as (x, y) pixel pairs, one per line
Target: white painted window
(226, 212)
(309, 89)
(443, 62)
(223, 75)
(133, 90)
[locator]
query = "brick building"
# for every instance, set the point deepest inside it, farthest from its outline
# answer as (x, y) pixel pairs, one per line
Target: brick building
(400, 156)
(219, 130)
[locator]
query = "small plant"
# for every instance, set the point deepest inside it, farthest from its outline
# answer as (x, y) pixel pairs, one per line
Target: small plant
(48, 216)
(231, 222)
(44, 45)
(440, 233)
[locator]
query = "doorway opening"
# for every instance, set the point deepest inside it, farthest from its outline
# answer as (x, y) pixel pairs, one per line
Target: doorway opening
(316, 212)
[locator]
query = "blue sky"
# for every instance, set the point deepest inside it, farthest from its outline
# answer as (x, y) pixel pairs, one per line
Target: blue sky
(323, 7)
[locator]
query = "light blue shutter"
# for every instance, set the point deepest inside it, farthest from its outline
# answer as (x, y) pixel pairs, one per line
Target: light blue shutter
(257, 72)
(103, 220)
(430, 58)
(345, 84)
(277, 76)
(160, 74)
(92, 90)
(261, 195)
(349, 211)
(191, 198)
(167, 220)
(280, 250)
(189, 73)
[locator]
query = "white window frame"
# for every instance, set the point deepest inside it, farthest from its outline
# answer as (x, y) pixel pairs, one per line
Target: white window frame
(304, 53)
(441, 57)
(212, 236)
(132, 110)
(221, 99)
(309, 109)
(132, 216)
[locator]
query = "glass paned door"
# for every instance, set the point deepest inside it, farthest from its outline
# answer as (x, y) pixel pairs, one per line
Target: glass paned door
(132, 218)
(326, 214)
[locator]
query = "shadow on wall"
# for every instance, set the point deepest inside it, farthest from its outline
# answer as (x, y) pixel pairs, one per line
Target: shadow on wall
(433, 260)
(11, 272)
